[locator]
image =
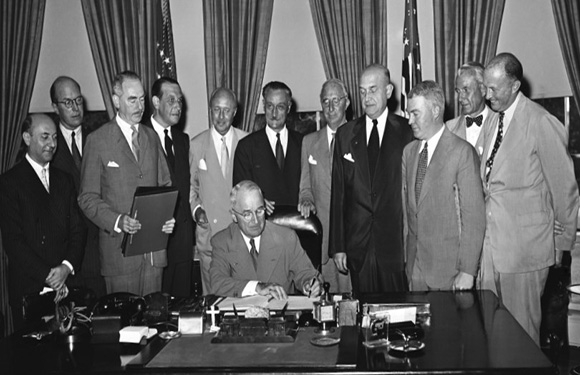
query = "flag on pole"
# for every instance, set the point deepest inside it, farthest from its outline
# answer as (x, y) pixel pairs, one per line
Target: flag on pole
(411, 74)
(166, 55)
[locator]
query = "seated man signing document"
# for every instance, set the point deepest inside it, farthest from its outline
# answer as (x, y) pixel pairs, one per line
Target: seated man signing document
(252, 256)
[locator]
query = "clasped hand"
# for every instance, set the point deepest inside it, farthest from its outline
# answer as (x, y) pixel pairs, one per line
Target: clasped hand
(132, 226)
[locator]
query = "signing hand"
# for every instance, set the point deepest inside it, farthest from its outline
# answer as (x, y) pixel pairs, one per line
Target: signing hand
(306, 207)
(463, 281)
(311, 288)
(340, 261)
(129, 225)
(201, 218)
(168, 226)
(57, 276)
(269, 206)
(271, 289)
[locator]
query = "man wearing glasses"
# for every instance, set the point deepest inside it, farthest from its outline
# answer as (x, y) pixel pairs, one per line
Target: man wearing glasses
(315, 181)
(253, 256)
(68, 103)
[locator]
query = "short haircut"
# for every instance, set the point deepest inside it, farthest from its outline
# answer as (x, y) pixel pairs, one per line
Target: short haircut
(158, 84)
(511, 65)
(27, 124)
(431, 91)
(380, 67)
(473, 69)
(121, 78)
(221, 91)
(334, 81)
(56, 83)
(246, 186)
(276, 85)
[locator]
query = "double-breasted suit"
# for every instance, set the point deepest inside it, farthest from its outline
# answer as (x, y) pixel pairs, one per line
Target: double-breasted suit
(255, 161)
(210, 190)
(447, 224)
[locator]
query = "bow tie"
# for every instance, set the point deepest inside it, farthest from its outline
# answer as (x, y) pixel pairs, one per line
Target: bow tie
(471, 120)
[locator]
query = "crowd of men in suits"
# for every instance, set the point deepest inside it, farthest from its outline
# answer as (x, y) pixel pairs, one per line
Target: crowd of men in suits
(486, 200)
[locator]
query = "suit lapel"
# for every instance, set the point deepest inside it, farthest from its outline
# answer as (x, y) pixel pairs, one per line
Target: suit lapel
(116, 135)
(269, 254)
(359, 149)
(211, 158)
(241, 254)
(413, 164)
(323, 154)
(438, 162)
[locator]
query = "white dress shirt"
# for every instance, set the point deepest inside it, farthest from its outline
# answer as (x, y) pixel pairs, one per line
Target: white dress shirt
(381, 124)
(250, 288)
(67, 135)
(273, 139)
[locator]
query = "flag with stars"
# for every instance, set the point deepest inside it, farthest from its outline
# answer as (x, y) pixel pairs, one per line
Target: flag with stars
(411, 74)
(166, 55)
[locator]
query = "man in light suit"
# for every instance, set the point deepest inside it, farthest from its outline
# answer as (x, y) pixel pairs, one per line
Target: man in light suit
(366, 211)
(316, 176)
(119, 157)
(529, 183)
(167, 101)
(443, 198)
(42, 228)
(253, 256)
(67, 103)
(271, 156)
(211, 162)
(475, 114)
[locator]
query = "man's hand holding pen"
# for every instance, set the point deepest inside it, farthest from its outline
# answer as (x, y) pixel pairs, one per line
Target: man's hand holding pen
(311, 288)
(130, 224)
(274, 291)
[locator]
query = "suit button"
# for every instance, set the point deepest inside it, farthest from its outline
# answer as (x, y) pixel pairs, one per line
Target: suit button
(141, 176)
(215, 221)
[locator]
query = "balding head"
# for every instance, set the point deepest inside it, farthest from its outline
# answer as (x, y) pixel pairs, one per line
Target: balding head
(67, 102)
(39, 135)
(223, 105)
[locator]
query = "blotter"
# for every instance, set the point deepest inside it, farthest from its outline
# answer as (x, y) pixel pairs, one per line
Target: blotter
(152, 206)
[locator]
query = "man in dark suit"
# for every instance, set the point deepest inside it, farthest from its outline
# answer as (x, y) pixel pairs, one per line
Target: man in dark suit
(271, 157)
(443, 198)
(119, 157)
(366, 212)
(42, 228)
(167, 101)
(253, 256)
(67, 103)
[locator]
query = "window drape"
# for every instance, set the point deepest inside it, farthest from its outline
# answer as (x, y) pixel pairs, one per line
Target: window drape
(124, 35)
(567, 17)
(465, 30)
(21, 34)
(236, 34)
(351, 35)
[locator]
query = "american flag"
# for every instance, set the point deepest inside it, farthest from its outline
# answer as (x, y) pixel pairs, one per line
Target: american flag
(411, 73)
(166, 55)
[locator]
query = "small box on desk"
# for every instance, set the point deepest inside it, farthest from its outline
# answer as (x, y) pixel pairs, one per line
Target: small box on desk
(106, 328)
(574, 323)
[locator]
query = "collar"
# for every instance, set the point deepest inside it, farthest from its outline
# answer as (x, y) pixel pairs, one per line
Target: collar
(160, 130)
(256, 242)
(329, 133)
(272, 134)
(68, 133)
(432, 144)
(124, 124)
(37, 167)
(509, 112)
(217, 137)
(381, 124)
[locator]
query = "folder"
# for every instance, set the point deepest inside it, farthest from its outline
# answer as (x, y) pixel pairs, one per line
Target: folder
(152, 206)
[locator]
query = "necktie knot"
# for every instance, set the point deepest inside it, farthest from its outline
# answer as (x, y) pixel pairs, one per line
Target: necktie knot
(477, 120)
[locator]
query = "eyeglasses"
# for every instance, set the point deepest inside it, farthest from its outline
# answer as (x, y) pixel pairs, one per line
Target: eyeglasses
(68, 103)
(247, 215)
(334, 101)
(173, 101)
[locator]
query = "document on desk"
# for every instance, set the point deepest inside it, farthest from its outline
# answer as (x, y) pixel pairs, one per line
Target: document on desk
(294, 303)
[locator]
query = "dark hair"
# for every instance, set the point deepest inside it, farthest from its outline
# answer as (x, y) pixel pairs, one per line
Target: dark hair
(511, 65)
(431, 91)
(158, 84)
(276, 85)
(27, 124)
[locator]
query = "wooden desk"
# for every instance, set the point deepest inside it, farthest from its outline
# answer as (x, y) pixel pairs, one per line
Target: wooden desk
(469, 332)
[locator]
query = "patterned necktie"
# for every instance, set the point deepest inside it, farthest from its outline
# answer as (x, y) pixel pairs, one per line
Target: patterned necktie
(279, 153)
(225, 157)
(421, 171)
(498, 139)
(373, 149)
(45, 179)
(332, 148)
(76, 155)
(477, 120)
(135, 142)
(169, 149)
(254, 254)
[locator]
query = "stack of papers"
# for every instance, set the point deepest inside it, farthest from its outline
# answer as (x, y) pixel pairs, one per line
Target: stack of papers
(295, 303)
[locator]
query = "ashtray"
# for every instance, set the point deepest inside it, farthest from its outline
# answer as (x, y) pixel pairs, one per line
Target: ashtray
(324, 341)
(406, 346)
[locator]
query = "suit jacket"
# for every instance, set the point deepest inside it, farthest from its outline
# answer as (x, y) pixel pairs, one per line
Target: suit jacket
(209, 188)
(315, 180)
(367, 215)
(447, 224)
(63, 159)
(281, 260)
(109, 177)
(256, 161)
(457, 126)
(39, 230)
(180, 243)
(531, 184)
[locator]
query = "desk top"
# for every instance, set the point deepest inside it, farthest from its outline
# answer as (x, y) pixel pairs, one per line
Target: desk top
(468, 332)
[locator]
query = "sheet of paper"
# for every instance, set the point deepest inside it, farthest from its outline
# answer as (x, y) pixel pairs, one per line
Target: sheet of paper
(294, 303)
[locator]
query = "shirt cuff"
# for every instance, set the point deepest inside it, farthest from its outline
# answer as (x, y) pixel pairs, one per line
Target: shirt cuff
(250, 288)
(117, 229)
(70, 267)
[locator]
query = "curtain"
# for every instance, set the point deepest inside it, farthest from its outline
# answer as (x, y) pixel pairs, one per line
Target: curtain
(236, 35)
(351, 35)
(21, 34)
(567, 17)
(465, 30)
(126, 35)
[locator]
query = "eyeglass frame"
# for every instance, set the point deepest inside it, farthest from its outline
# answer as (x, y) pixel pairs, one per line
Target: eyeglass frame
(248, 214)
(68, 103)
(335, 101)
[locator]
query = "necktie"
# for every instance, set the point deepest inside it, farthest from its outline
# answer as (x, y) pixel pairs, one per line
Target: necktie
(225, 157)
(279, 153)
(76, 155)
(135, 142)
(45, 179)
(254, 254)
(169, 149)
(332, 148)
(373, 149)
(421, 171)
(477, 120)
(498, 139)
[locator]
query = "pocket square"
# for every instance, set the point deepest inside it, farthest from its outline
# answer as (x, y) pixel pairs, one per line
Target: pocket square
(112, 164)
(348, 157)
(311, 160)
(202, 165)
(480, 149)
